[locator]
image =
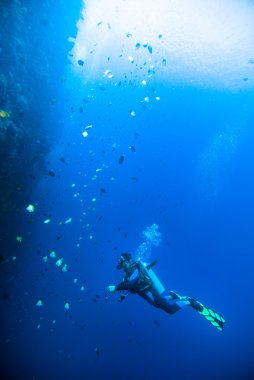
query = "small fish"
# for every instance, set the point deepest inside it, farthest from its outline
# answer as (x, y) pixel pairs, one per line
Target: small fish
(51, 173)
(39, 303)
(108, 74)
(63, 160)
(65, 268)
(150, 49)
(52, 254)
(30, 208)
(81, 62)
(145, 43)
(4, 114)
(121, 160)
(133, 148)
(59, 262)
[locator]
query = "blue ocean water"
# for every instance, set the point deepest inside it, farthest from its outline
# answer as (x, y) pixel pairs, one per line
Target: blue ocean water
(184, 162)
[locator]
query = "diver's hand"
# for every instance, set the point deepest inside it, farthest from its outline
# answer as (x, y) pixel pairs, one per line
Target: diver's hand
(111, 288)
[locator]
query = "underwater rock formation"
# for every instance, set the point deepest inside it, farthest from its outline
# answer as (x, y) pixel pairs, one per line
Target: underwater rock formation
(33, 40)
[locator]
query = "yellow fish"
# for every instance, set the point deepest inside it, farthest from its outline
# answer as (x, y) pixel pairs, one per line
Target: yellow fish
(4, 114)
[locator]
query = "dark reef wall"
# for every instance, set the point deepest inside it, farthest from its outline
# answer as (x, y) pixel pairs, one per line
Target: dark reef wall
(33, 57)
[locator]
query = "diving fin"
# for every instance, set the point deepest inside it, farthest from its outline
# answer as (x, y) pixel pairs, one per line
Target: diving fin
(214, 318)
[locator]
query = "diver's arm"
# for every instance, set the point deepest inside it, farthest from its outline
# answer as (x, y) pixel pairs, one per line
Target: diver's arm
(124, 285)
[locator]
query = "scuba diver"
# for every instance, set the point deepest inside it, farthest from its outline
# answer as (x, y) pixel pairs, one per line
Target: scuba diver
(140, 279)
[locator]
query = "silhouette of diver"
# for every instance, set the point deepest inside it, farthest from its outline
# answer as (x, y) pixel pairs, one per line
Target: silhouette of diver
(140, 279)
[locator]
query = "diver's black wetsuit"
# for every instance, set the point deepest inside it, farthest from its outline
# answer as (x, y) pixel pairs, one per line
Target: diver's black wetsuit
(143, 285)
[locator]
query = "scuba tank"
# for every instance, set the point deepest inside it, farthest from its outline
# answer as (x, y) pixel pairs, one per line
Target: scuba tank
(152, 276)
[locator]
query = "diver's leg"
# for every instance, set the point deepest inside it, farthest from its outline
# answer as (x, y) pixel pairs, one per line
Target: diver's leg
(168, 303)
(171, 303)
(175, 296)
(148, 297)
(195, 304)
(192, 302)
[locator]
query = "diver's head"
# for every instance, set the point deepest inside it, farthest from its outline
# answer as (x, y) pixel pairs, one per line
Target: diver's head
(125, 258)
